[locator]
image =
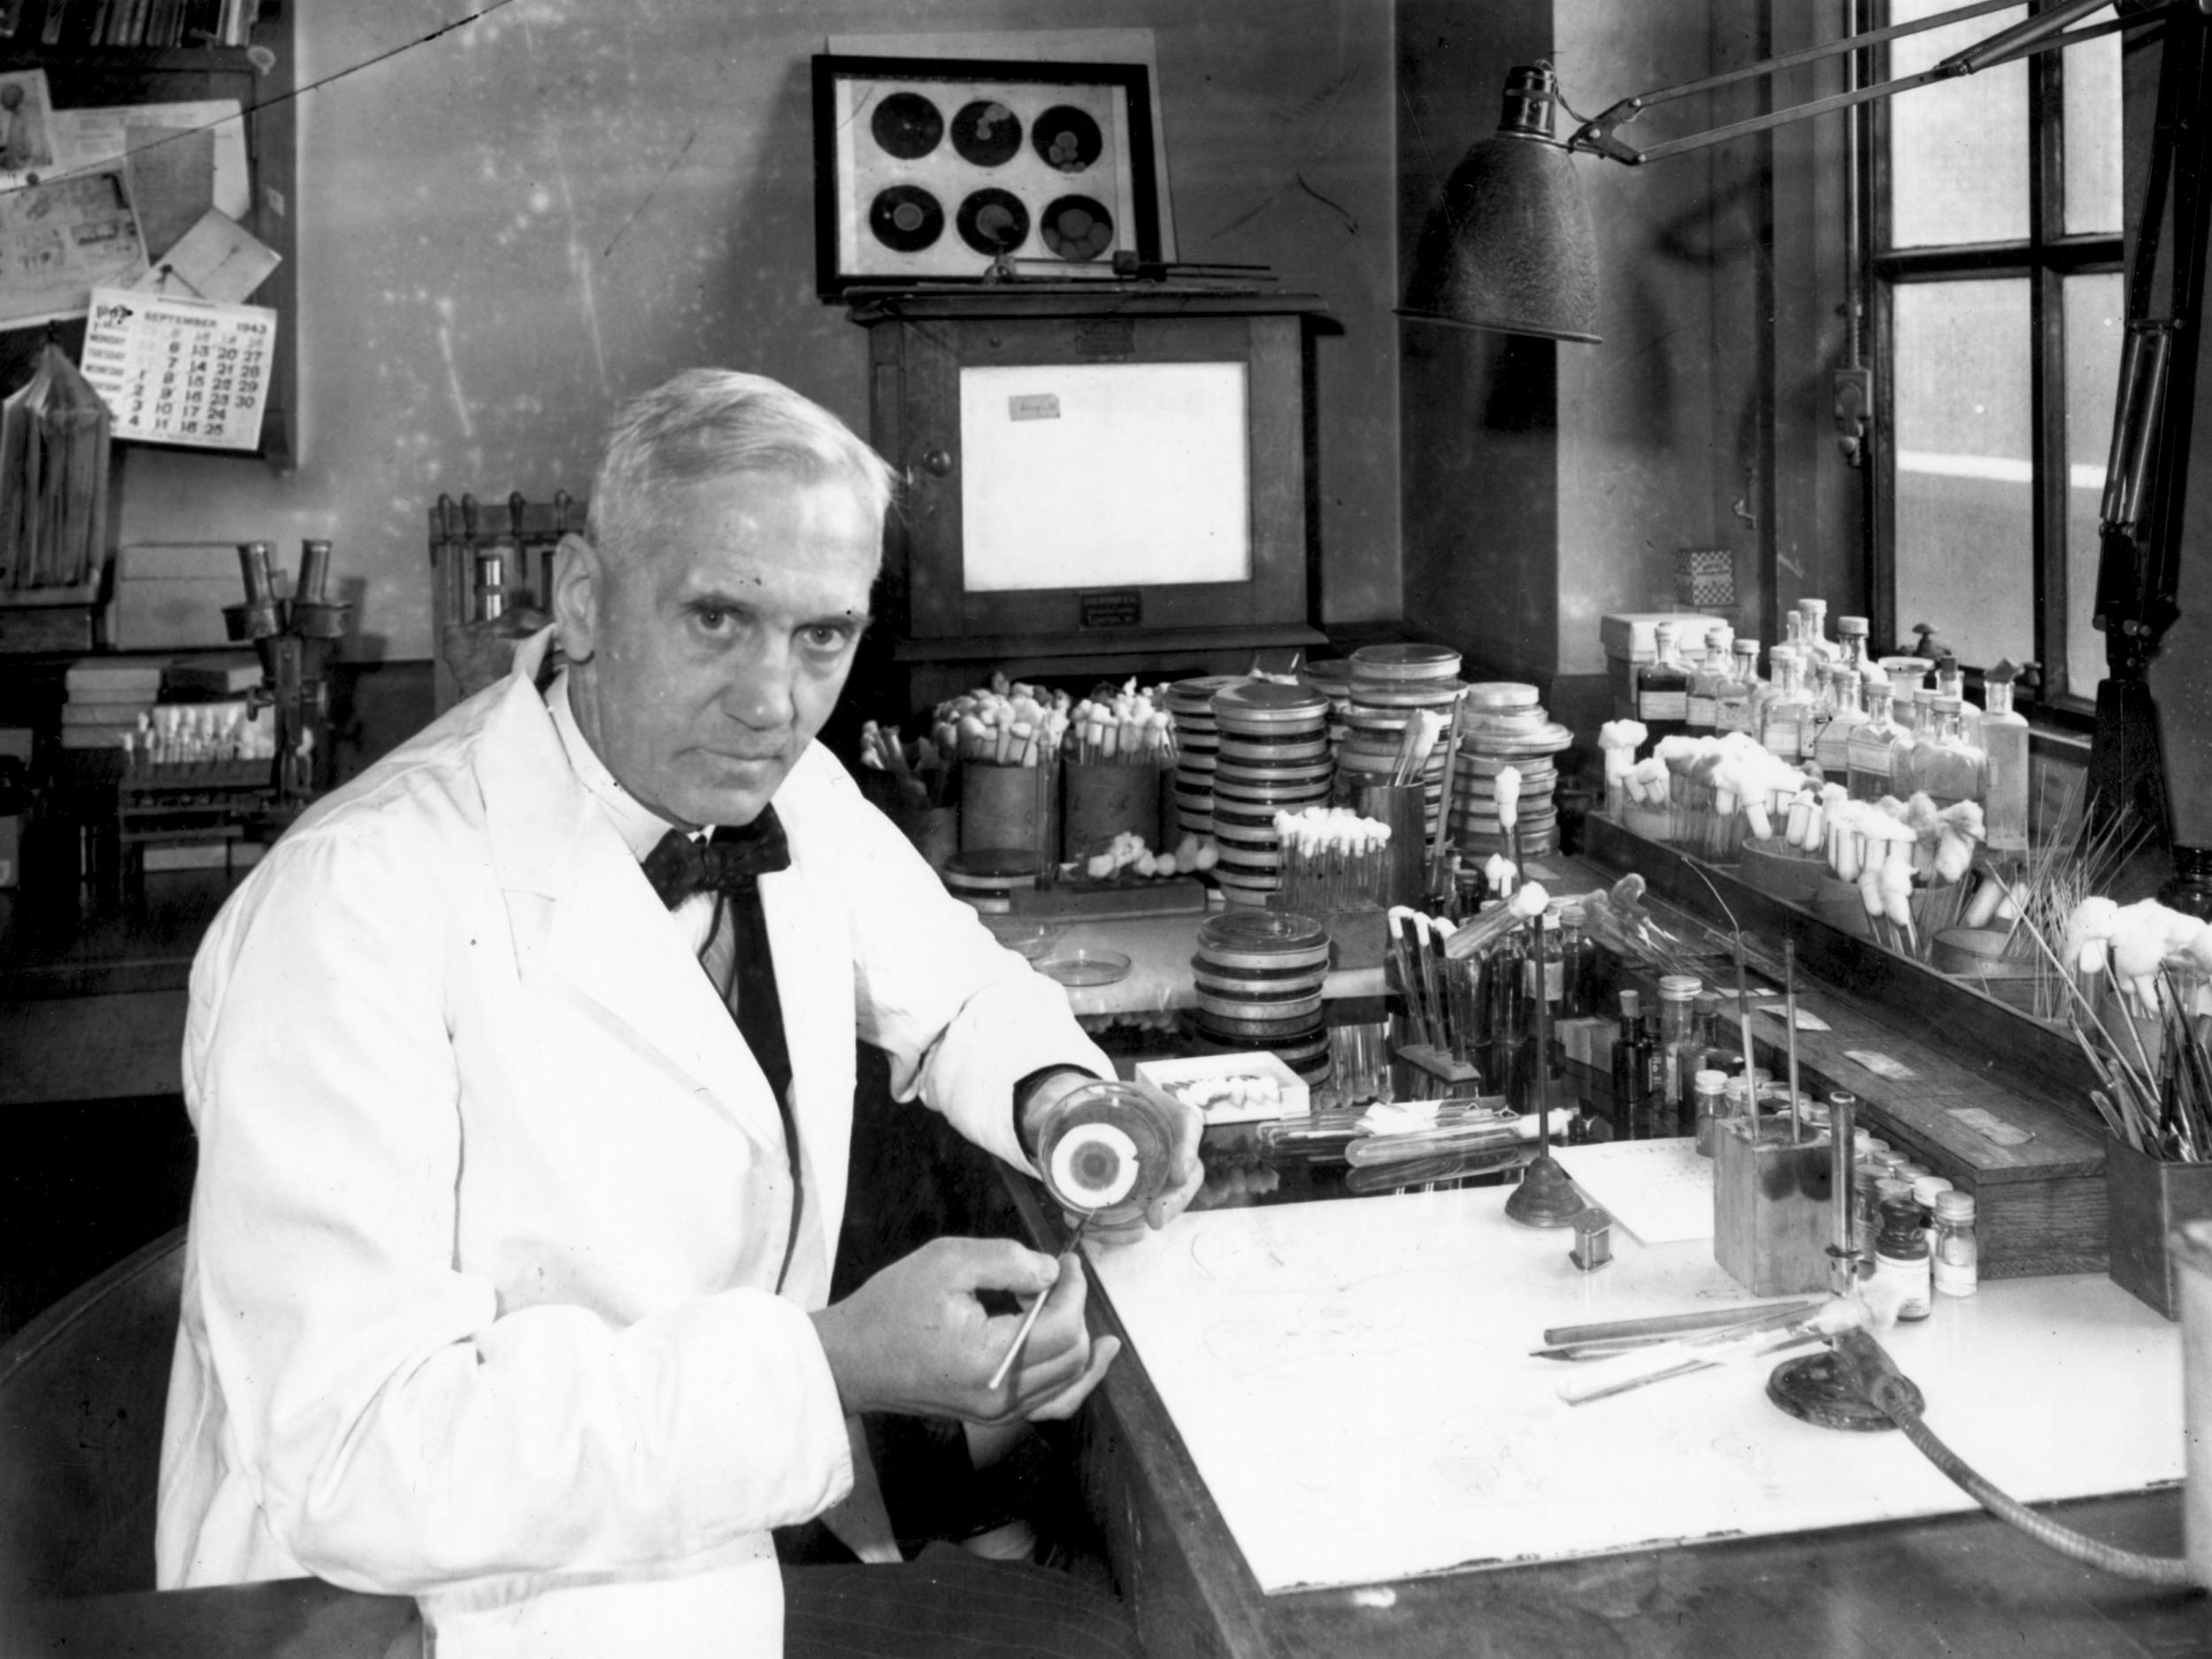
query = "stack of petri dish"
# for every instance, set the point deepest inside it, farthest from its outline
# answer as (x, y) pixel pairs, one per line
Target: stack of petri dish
(1197, 742)
(1258, 976)
(1333, 680)
(988, 876)
(1502, 724)
(1273, 758)
(1389, 685)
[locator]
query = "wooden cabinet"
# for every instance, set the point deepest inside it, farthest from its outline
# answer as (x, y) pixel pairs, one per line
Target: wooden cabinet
(1092, 481)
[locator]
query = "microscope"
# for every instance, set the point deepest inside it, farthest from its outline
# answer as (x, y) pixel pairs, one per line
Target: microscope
(293, 638)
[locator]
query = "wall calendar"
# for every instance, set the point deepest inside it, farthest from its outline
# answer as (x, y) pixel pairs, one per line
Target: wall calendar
(181, 371)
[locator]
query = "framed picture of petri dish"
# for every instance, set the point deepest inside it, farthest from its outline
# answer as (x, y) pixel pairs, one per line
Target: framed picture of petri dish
(931, 171)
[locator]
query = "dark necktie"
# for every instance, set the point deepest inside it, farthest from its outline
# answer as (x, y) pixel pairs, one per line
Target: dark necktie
(729, 865)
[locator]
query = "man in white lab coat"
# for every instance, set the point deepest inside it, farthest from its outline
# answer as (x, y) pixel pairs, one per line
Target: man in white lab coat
(508, 1262)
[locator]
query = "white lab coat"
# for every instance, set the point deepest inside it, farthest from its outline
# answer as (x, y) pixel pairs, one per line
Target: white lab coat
(479, 1288)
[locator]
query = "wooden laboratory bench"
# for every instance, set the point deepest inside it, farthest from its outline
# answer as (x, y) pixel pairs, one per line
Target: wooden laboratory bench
(1960, 1584)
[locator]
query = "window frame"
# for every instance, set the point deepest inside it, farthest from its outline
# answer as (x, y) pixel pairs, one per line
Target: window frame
(2046, 258)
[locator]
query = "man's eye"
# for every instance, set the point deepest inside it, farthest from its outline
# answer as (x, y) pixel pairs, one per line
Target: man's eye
(712, 621)
(826, 636)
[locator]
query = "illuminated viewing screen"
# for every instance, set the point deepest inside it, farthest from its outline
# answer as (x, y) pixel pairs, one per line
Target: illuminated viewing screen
(1104, 475)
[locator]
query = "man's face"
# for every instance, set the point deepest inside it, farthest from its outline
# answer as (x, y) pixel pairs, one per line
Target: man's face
(708, 655)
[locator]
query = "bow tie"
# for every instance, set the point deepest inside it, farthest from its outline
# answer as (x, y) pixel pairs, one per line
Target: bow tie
(729, 861)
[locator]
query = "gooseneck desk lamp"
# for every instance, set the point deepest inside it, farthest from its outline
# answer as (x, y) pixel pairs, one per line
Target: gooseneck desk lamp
(1509, 248)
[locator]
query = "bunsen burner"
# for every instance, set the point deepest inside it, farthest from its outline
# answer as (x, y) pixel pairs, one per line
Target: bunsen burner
(1501, 724)
(988, 877)
(1259, 977)
(1273, 758)
(1197, 745)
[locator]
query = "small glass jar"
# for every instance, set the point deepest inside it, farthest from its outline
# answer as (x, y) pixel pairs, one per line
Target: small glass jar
(1712, 1106)
(1958, 1251)
(1926, 1190)
(1901, 1272)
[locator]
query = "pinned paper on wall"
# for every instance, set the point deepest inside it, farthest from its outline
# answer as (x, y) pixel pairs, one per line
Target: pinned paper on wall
(216, 259)
(62, 238)
(175, 370)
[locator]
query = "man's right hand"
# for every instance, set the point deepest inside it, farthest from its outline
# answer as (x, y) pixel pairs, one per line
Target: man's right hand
(915, 1339)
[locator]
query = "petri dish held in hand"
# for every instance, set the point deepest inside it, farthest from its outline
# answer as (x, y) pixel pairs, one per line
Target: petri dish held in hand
(1105, 1147)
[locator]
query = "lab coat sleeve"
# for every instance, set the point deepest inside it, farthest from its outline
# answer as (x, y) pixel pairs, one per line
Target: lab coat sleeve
(961, 1017)
(403, 1431)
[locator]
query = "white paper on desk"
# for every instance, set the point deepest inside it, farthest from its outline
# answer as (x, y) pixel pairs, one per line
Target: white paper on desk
(1662, 1190)
(1256, 1325)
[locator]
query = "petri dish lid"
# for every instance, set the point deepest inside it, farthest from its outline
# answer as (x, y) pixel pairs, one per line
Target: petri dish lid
(1405, 661)
(999, 867)
(1496, 694)
(1262, 938)
(1200, 691)
(1084, 966)
(1265, 702)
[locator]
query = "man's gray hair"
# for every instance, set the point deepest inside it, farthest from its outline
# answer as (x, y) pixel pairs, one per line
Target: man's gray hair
(711, 423)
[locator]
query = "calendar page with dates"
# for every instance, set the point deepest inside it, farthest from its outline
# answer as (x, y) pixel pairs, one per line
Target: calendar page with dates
(176, 370)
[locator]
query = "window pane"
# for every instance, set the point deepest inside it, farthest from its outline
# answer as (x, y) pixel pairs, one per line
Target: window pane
(1958, 150)
(2096, 325)
(2091, 75)
(1965, 526)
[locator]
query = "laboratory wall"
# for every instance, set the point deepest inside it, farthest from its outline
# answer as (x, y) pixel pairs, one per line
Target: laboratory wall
(510, 217)
(1547, 484)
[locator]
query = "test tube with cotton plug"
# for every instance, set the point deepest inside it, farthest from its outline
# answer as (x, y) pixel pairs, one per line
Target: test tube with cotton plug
(1619, 741)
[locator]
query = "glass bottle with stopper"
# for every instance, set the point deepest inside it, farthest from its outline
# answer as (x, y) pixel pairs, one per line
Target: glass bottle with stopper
(1943, 766)
(1782, 720)
(1736, 699)
(1832, 747)
(1710, 673)
(1662, 688)
(2005, 742)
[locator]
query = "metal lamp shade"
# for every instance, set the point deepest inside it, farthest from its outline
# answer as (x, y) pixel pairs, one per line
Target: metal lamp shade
(1509, 248)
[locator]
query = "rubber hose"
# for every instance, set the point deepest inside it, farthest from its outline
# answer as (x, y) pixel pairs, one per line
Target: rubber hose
(2162, 1569)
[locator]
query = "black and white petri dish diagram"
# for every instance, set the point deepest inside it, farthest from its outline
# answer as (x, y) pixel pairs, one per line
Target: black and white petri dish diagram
(907, 126)
(987, 134)
(1076, 227)
(993, 221)
(906, 218)
(1067, 138)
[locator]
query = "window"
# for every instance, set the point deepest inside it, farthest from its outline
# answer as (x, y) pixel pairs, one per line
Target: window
(1998, 311)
